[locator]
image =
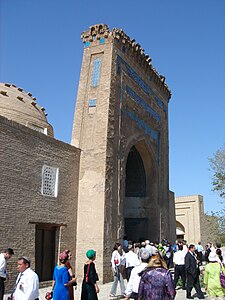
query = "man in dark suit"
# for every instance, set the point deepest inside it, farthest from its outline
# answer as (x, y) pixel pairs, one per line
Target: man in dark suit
(192, 270)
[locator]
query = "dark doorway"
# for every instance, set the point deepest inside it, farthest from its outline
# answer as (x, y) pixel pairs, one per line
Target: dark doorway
(135, 175)
(45, 251)
(136, 229)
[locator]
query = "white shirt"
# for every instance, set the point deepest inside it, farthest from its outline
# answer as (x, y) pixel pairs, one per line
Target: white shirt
(131, 259)
(199, 248)
(116, 259)
(185, 249)
(27, 287)
(2, 266)
(133, 283)
(178, 257)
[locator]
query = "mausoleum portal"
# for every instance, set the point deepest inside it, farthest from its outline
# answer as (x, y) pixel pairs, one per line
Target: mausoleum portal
(121, 127)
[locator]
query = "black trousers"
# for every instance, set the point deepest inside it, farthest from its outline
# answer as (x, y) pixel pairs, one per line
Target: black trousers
(134, 296)
(2, 288)
(128, 271)
(179, 271)
(199, 257)
(193, 282)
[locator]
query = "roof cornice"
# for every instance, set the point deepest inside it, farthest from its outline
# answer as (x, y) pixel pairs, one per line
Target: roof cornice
(99, 31)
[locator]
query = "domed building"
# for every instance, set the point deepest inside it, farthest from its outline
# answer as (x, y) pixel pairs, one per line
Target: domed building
(37, 196)
(20, 106)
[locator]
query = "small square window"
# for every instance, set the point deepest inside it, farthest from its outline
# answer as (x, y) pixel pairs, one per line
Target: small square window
(92, 103)
(49, 185)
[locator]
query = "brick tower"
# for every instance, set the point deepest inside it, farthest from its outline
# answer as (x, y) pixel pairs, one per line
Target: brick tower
(121, 127)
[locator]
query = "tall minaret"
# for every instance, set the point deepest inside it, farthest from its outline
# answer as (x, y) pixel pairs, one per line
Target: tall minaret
(121, 127)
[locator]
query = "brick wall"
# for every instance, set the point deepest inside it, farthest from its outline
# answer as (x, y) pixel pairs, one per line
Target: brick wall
(23, 152)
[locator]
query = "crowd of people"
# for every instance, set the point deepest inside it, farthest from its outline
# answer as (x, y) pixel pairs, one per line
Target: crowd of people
(145, 266)
(152, 278)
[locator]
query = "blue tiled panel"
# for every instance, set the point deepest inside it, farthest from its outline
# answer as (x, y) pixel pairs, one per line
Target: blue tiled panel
(102, 41)
(124, 49)
(141, 124)
(87, 44)
(155, 135)
(92, 103)
(141, 83)
(142, 103)
(96, 72)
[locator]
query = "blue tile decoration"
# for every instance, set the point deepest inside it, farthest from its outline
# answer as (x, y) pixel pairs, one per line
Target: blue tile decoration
(96, 72)
(154, 135)
(87, 44)
(92, 103)
(141, 124)
(142, 103)
(102, 41)
(94, 37)
(124, 49)
(141, 83)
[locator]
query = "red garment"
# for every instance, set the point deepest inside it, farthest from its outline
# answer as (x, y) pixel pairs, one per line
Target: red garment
(70, 287)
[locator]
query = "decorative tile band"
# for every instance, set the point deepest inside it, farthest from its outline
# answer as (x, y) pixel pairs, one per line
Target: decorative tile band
(141, 124)
(142, 103)
(155, 135)
(141, 83)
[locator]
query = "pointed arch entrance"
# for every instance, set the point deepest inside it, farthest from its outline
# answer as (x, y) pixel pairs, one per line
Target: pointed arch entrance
(180, 231)
(141, 190)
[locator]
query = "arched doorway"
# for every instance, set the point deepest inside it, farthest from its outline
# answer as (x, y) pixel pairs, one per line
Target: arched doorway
(135, 184)
(140, 209)
(180, 231)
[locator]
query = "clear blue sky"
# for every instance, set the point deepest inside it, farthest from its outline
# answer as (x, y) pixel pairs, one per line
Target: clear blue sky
(41, 51)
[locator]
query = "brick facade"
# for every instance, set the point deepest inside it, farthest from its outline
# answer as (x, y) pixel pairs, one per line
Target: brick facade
(23, 152)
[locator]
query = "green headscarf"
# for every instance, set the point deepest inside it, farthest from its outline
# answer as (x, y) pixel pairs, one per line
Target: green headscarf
(90, 253)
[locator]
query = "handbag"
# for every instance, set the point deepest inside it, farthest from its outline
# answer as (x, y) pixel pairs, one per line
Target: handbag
(222, 277)
(74, 281)
(48, 295)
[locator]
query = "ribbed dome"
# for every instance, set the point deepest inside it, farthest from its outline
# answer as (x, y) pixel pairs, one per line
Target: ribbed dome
(21, 107)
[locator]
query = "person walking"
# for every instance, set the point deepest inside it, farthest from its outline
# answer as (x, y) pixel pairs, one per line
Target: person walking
(199, 252)
(73, 281)
(156, 281)
(61, 279)
(212, 277)
(27, 282)
(90, 287)
(133, 284)
(192, 270)
(179, 267)
(6, 255)
(132, 261)
(116, 262)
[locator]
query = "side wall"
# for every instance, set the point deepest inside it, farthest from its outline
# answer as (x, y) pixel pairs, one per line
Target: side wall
(189, 213)
(23, 152)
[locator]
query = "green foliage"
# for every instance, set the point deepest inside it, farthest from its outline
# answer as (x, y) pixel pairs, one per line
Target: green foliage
(217, 164)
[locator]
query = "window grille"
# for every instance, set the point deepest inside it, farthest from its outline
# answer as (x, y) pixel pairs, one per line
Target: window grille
(49, 181)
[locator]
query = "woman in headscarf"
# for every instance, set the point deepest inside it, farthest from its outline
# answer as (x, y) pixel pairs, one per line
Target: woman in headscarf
(212, 277)
(90, 288)
(156, 281)
(61, 279)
